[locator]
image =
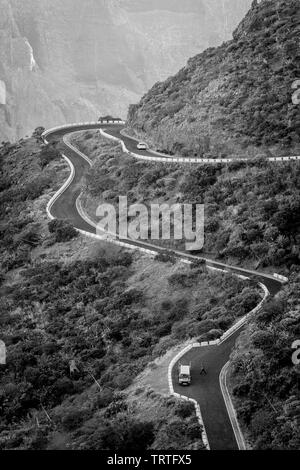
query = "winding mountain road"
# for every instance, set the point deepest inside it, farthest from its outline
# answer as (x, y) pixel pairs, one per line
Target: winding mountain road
(206, 389)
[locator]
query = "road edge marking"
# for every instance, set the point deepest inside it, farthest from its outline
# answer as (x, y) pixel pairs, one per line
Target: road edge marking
(62, 189)
(183, 397)
(217, 342)
(239, 437)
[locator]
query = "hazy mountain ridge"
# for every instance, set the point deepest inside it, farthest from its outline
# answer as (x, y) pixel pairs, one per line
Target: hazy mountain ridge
(232, 98)
(64, 61)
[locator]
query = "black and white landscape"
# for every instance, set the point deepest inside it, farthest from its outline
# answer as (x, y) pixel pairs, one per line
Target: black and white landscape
(115, 339)
(70, 60)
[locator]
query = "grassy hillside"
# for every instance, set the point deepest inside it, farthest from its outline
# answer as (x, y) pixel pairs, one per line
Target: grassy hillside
(234, 99)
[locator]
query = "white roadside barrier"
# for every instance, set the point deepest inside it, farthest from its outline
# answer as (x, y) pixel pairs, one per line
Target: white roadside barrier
(80, 124)
(281, 278)
(62, 189)
(105, 237)
(183, 397)
(66, 140)
(216, 342)
(160, 157)
(230, 408)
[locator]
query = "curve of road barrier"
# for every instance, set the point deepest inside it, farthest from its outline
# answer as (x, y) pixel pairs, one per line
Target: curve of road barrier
(62, 189)
(110, 238)
(154, 152)
(105, 237)
(170, 159)
(281, 278)
(224, 390)
(78, 124)
(66, 140)
(183, 397)
(152, 250)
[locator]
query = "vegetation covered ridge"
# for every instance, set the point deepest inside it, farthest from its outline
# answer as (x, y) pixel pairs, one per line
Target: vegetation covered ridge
(232, 100)
(81, 320)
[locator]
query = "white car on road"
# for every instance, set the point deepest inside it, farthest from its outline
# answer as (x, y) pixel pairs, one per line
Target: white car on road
(142, 146)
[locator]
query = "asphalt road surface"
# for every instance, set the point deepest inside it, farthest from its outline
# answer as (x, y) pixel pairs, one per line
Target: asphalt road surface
(205, 389)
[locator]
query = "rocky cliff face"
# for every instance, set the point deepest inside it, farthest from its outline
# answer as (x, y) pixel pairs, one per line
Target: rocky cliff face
(72, 60)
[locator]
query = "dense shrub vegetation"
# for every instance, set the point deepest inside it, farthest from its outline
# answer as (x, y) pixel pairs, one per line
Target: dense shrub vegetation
(25, 177)
(48, 154)
(84, 312)
(62, 229)
(77, 336)
(234, 99)
(266, 382)
(251, 209)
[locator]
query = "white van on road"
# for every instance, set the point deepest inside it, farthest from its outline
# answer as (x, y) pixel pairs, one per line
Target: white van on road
(184, 375)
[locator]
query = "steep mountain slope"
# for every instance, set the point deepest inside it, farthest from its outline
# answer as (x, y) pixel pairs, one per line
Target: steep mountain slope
(71, 60)
(265, 378)
(232, 97)
(81, 320)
